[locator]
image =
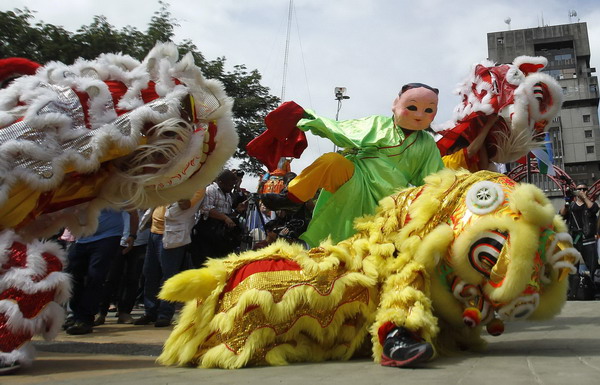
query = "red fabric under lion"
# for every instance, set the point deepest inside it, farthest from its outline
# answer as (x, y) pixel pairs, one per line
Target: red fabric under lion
(281, 139)
(259, 267)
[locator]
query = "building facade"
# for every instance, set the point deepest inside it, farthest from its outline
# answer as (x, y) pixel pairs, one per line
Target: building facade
(575, 133)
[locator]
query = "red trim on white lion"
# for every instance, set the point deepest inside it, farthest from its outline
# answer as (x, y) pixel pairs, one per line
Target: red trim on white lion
(31, 276)
(26, 278)
(553, 87)
(530, 64)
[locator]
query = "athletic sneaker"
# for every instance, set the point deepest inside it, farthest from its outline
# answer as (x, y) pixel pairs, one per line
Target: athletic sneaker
(403, 348)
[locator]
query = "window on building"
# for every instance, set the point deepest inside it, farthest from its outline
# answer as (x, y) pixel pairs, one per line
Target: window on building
(564, 90)
(589, 149)
(566, 56)
(568, 73)
(586, 118)
(500, 40)
(554, 73)
(588, 133)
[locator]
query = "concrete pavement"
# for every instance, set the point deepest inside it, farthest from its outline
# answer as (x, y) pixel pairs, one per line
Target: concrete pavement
(563, 351)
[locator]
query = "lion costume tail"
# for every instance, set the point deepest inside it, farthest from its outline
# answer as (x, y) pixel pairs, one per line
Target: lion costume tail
(273, 306)
(188, 285)
(194, 286)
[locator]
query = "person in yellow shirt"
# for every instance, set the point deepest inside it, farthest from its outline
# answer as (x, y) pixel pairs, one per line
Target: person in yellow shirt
(170, 233)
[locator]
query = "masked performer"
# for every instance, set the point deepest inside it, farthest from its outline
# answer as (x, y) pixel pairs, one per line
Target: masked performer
(382, 154)
(74, 139)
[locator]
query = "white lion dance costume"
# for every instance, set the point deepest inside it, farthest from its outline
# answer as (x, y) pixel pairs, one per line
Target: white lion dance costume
(463, 252)
(75, 139)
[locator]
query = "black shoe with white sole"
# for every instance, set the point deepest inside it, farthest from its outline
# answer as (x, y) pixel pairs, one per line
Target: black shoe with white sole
(403, 348)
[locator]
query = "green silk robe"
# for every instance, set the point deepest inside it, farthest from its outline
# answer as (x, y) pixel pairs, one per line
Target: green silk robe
(385, 161)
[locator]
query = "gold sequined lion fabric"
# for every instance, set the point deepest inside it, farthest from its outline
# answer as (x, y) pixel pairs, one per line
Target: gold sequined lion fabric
(463, 252)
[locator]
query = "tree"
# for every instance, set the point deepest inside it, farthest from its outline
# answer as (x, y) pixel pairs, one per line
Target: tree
(18, 37)
(44, 42)
(252, 103)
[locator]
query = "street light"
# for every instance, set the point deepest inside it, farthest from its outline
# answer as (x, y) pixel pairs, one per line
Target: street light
(340, 94)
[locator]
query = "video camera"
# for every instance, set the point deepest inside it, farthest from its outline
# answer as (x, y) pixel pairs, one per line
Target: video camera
(291, 230)
(569, 195)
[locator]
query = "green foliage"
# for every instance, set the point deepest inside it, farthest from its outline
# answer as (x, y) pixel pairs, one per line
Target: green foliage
(44, 42)
(18, 37)
(252, 100)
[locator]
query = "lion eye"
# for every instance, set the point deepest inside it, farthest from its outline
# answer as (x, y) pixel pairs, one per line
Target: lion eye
(484, 197)
(484, 252)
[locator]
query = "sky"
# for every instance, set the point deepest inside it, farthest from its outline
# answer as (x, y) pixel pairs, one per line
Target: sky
(371, 47)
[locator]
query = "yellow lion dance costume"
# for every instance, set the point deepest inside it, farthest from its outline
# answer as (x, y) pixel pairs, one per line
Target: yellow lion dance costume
(442, 260)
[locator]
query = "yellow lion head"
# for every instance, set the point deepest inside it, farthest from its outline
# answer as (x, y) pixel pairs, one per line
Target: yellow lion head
(495, 249)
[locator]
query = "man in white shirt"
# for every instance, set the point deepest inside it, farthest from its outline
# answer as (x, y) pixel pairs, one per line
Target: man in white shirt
(215, 225)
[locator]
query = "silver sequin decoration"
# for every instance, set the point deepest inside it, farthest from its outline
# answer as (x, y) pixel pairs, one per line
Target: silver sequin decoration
(67, 103)
(206, 103)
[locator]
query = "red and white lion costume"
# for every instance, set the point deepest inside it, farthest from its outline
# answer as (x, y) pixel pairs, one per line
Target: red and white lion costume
(524, 100)
(75, 139)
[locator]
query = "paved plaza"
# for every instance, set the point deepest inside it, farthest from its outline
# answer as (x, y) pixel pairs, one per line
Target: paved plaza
(563, 351)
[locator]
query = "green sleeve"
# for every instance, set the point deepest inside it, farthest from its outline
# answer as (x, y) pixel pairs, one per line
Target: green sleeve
(357, 133)
(431, 160)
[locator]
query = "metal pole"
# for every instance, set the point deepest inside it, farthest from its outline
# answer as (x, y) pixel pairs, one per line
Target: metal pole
(287, 49)
(528, 163)
(339, 96)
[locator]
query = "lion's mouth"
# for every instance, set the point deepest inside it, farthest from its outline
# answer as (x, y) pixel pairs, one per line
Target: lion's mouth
(520, 308)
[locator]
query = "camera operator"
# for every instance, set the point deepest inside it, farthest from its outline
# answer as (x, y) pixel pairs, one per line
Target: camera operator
(239, 194)
(580, 213)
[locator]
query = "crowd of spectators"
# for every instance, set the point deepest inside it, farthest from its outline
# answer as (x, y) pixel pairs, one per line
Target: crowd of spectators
(126, 261)
(131, 254)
